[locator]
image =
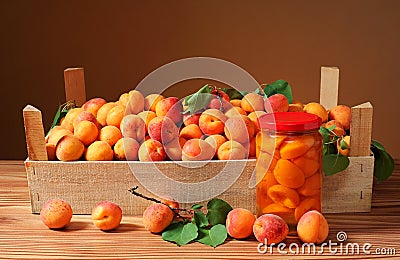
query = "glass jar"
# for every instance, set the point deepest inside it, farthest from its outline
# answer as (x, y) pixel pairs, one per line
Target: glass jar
(289, 165)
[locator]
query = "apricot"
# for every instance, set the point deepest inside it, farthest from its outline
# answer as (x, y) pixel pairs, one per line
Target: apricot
(284, 196)
(216, 141)
(295, 147)
(278, 209)
(151, 150)
(240, 129)
(135, 104)
(191, 119)
(307, 166)
(252, 148)
(111, 134)
(276, 102)
(235, 111)
(212, 121)
(235, 102)
(86, 116)
(163, 129)
(99, 151)
(133, 126)
(312, 227)
(197, 150)
(170, 107)
(317, 109)
(51, 152)
(254, 118)
(288, 174)
(126, 148)
(151, 100)
(69, 148)
(93, 105)
(232, 150)
(252, 102)
(312, 186)
(103, 111)
(346, 140)
(157, 217)
(262, 198)
(123, 99)
(115, 115)
(296, 106)
(86, 132)
(341, 114)
(270, 228)
(70, 117)
(56, 133)
(338, 130)
(239, 223)
(56, 213)
(306, 205)
(146, 116)
(313, 154)
(173, 149)
(191, 131)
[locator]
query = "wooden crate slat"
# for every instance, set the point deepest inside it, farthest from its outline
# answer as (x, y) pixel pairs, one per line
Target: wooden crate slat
(361, 129)
(74, 79)
(329, 88)
(34, 133)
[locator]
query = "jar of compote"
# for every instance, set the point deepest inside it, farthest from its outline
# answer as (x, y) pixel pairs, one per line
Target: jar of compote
(289, 165)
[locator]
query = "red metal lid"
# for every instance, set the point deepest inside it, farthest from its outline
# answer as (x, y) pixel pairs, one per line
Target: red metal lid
(290, 121)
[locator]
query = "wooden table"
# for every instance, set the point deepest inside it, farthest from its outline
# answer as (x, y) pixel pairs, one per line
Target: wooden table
(22, 234)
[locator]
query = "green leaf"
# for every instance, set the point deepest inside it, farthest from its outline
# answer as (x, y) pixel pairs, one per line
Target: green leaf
(181, 233)
(343, 145)
(61, 112)
(198, 100)
(383, 164)
(334, 163)
(377, 145)
(200, 219)
(326, 134)
(233, 93)
(214, 236)
(196, 206)
(279, 87)
(218, 209)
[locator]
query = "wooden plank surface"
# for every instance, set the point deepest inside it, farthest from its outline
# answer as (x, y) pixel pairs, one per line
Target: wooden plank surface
(329, 88)
(74, 81)
(22, 235)
(34, 133)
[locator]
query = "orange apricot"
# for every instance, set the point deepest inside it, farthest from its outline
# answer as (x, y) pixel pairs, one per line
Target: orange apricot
(288, 174)
(311, 187)
(305, 206)
(99, 151)
(295, 147)
(313, 154)
(317, 109)
(115, 115)
(86, 132)
(239, 223)
(278, 209)
(103, 111)
(69, 148)
(191, 131)
(126, 148)
(308, 166)
(285, 196)
(312, 227)
(111, 134)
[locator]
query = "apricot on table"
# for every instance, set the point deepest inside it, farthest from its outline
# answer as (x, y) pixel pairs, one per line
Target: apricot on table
(312, 227)
(270, 228)
(157, 217)
(239, 223)
(56, 213)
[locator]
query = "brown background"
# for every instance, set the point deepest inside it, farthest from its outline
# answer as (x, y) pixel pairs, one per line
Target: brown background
(120, 42)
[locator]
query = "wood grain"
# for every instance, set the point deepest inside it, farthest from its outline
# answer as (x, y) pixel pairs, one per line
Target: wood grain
(361, 129)
(329, 88)
(34, 133)
(22, 235)
(74, 79)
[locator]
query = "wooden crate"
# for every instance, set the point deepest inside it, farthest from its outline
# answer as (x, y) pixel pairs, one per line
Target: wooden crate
(84, 183)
